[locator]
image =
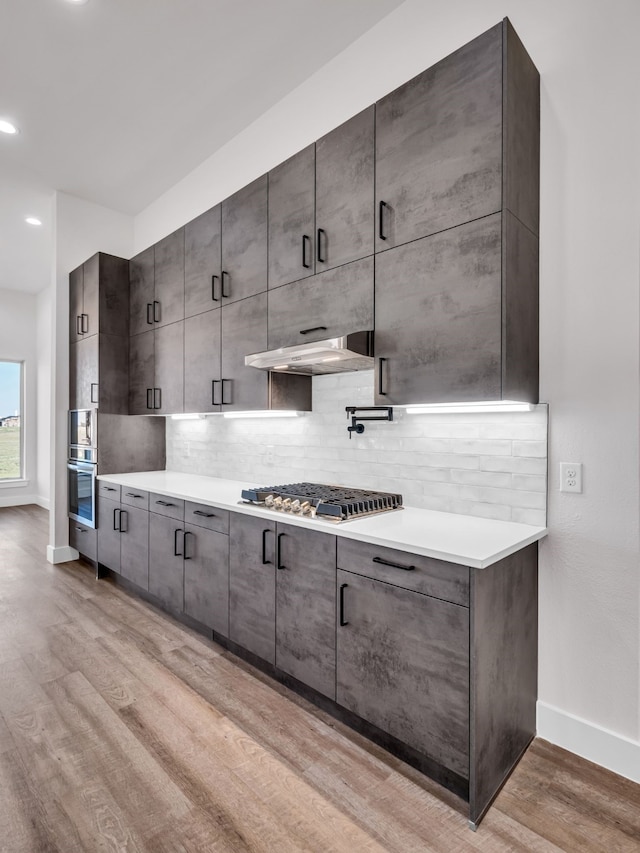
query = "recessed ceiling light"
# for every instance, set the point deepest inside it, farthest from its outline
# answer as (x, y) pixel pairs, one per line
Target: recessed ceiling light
(32, 220)
(7, 127)
(77, 2)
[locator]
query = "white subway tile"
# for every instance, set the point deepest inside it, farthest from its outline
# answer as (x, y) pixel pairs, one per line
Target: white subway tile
(537, 517)
(481, 478)
(530, 448)
(530, 482)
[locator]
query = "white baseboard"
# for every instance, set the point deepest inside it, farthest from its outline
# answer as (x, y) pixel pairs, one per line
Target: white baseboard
(43, 502)
(62, 554)
(590, 741)
(19, 500)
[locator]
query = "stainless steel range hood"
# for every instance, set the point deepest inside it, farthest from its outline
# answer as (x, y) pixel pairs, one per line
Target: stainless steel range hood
(334, 355)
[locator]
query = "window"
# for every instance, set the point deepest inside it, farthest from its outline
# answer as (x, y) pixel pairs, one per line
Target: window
(11, 425)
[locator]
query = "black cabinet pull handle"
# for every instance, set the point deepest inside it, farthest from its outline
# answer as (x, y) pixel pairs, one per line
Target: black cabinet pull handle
(343, 621)
(230, 400)
(177, 553)
(225, 278)
(381, 362)
(149, 400)
(83, 317)
(149, 317)
(157, 391)
(265, 562)
(204, 514)
(184, 543)
(322, 235)
(116, 526)
(108, 489)
(383, 562)
(305, 239)
(164, 503)
(214, 382)
(156, 311)
(132, 495)
(94, 385)
(80, 529)
(78, 325)
(381, 209)
(314, 329)
(124, 529)
(214, 278)
(279, 560)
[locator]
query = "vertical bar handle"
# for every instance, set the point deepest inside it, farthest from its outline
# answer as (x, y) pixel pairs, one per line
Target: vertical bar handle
(94, 385)
(184, 543)
(381, 208)
(149, 400)
(223, 401)
(322, 237)
(157, 391)
(214, 278)
(381, 362)
(305, 240)
(279, 558)
(82, 318)
(78, 326)
(265, 562)
(343, 621)
(149, 317)
(156, 311)
(116, 520)
(177, 553)
(124, 529)
(225, 278)
(214, 382)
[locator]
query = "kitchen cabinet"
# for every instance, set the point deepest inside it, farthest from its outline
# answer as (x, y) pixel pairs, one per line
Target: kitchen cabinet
(244, 242)
(84, 373)
(141, 291)
(202, 262)
(206, 574)
(252, 585)
(156, 284)
(305, 606)
(109, 531)
(98, 373)
(156, 360)
(134, 544)
(244, 330)
(326, 305)
(76, 304)
(321, 203)
(84, 539)
(439, 145)
(202, 353)
(98, 298)
(141, 372)
(166, 563)
(402, 663)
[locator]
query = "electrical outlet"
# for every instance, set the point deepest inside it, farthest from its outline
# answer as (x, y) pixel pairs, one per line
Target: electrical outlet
(270, 454)
(571, 477)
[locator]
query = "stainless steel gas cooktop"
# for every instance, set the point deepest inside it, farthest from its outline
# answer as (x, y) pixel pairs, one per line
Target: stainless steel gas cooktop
(315, 500)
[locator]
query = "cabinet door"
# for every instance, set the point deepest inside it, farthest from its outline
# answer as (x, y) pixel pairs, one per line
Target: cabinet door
(141, 373)
(108, 533)
(134, 545)
(439, 316)
(202, 263)
(169, 279)
(113, 296)
(334, 303)
(244, 242)
(141, 291)
(244, 330)
(305, 607)
(206, 577)
(252, 585)
(91, 296)
(169, 368)
(84, 539)
(403, 665)
(345, 192)
(292, 218)
(76, 308)
(113, 391)
(202, 362)
(83, 373)
(166, 570)
(439, 145)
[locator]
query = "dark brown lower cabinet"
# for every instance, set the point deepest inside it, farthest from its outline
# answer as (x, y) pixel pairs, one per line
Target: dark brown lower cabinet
(109, 533)
(134, 545)
(305, 607)
(252, 585)
(206, 577)
(402, 664)
(166, 564)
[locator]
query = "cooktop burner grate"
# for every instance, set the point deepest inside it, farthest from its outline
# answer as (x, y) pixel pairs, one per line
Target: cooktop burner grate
(334, 503)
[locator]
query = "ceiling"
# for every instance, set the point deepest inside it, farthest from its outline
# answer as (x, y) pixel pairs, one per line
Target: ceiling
(117, 100)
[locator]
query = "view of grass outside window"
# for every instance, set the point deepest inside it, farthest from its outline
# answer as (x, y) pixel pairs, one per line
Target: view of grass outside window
(10, 420)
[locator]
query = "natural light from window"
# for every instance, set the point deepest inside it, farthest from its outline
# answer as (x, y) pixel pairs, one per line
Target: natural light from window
(10, 420)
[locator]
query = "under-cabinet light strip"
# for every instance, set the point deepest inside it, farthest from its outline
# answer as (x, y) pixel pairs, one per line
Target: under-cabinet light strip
(462, 408)
(272, 413)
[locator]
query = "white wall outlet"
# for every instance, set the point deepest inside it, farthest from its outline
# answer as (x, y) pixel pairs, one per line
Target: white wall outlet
(571, 477)
(270, 454)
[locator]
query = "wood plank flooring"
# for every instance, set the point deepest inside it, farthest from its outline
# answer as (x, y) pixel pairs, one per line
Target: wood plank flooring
(121, 730)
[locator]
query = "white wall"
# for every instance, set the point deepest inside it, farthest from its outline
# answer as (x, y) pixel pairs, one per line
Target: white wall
(43, 355)
(587, 54)
(18, 343)
(81, 229)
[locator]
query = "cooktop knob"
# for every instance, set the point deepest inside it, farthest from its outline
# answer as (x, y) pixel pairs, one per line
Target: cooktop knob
(277, 503)
(268, 501)
(305, 507)
(286, 504)
(295, 506)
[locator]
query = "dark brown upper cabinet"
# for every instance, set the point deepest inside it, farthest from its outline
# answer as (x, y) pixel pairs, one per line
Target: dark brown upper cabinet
(202, 352)
(156, 282)
(98, 297)
(156, 370)
(439, 145)
(321, 203)
(202, 262)
(244, 242)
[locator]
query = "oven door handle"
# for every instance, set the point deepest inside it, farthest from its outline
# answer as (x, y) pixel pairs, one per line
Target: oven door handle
(87, 467)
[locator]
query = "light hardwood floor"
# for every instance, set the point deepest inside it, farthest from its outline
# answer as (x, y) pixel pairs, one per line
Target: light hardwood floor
(122, 730)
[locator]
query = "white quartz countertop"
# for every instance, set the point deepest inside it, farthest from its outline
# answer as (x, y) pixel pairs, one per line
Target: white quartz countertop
(464, 539)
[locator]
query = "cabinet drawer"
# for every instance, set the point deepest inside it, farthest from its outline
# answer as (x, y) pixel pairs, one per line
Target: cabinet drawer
(135, 497)
(83, 539)
(163, 505)
(206, 516)
(109, 490)
(447, 581)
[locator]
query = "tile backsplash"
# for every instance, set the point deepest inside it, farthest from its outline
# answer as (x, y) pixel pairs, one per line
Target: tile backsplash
(489, 465)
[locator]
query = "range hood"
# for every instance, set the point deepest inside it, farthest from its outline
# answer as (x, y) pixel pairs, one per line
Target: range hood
(333, 355)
